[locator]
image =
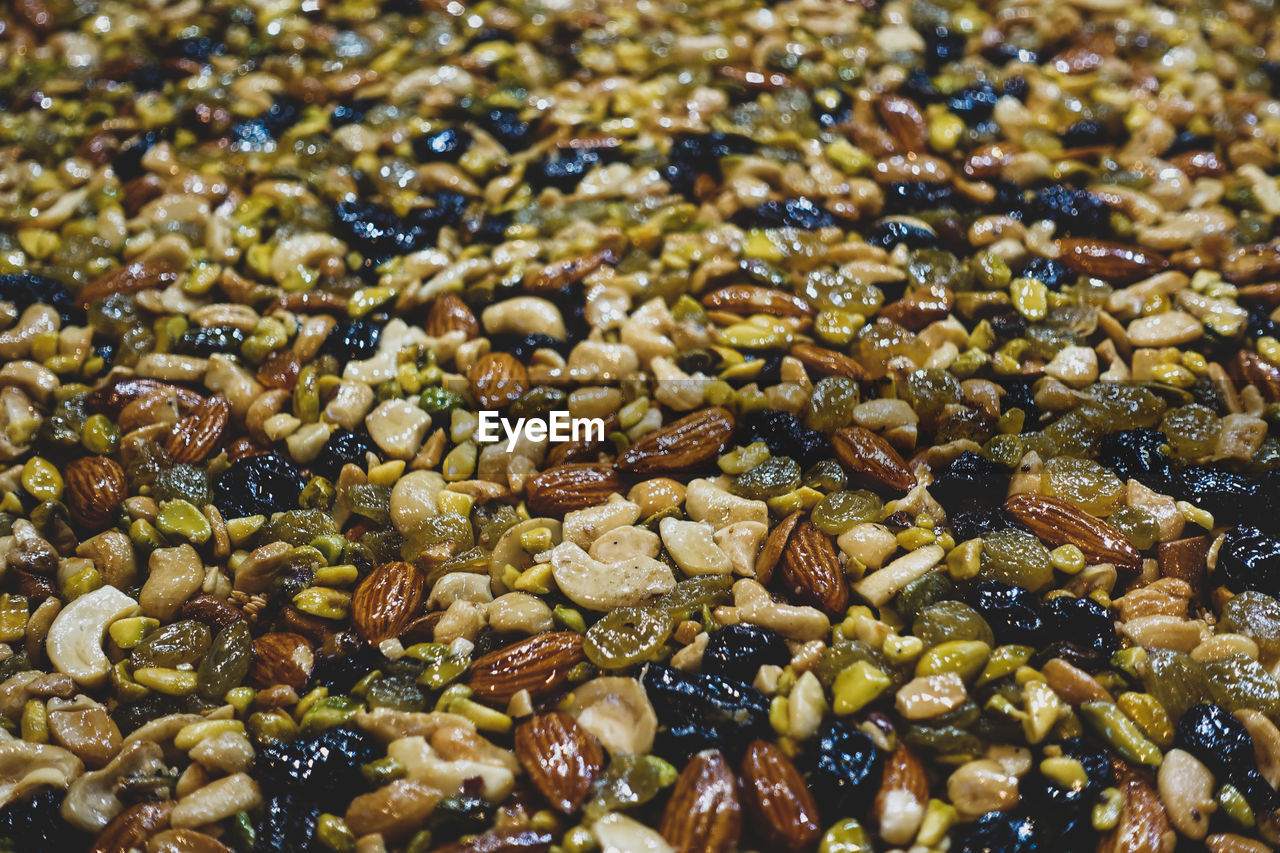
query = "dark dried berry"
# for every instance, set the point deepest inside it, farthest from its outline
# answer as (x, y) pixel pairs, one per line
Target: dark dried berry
(1226, 494)
(352, 340)
(211, 340)
(680, 743)
(1139, 454)
(970, 482)
(1074, 211)
(786, 435)
(833, 111)
(1053, 273)
(1083, 624)
(1064, 813)
(564, 170)
(970, 524)
(737, 651)
(443, 146)
(1086, 132)
(846, 769)
(974, 103)
(684, 699)
(257, 133)
(942, 45)
(1222, 743)
(1013, 613)
(919, 87)
(1249, 559)
(351, 113)
(999, 831)
(258, 485)
(911, 197)
(508, 128)
(1016, 87)
(888, 233)
(523, 346)
(378, 232)
(344, 447)
(324, 769)
(25, 289)
(693, 155)
(288, 823)
(35, 823)
(128, 163)
(798, 213)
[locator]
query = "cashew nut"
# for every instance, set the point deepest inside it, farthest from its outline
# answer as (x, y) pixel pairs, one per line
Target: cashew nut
(74, 643)
(25, 766)
(618, 833)
(219, 799)
(705, 500)
(91, 800)
(618, 712)
(691, 545)
(623, 542)
(424, 764)
(756, 607)
(510, 550)
(582, 527)
(740, 541)
(608, 586)
(524, 315)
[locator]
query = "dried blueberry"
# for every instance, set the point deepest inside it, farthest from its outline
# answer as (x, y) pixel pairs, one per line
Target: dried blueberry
(737, 651)
(1222, 743)
(1249, 559)
(128, 163)
(256, 133)
(999, 832)
(210, 340)
(786, 435)
(969, 482)
(679, 743)
(888, 233)
(846, 768)
(564, 170)
(25, 289)
(1013, 613)
(1139, 454)
(693, 155)
(916, 195)
(1224, 493)
(974, 103)
(523, 346)
(379, 232)
(288, 824)
(324, 769)
(506, 126)
(445, 145)
(798, 213)
(919, 87)
(942, 45)
(1084, 624)
(1074, 211)
(352, 340)
(344, 447)
(195, 48)
(35, 823)
(1015, 87)
(683, 699)
(833, 112)
(1260, 322)
(258, 485)
(352, 112)
(968, 524)
(1050, 271)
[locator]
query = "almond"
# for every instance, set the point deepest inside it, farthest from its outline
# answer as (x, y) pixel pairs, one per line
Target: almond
(502, 841)
(130, 829)
(904, 791)
(751, 299)
(703, 814)
(95, 488)
(812, 572)
(566, 272)
(281, 657)
(1144, 825)
(497, 380)
(539, 664)
(828, 362)
(111, 398)
(561, 757)
(1249, 264)
(1229, 842)
(1114, 262)
(778, 803)
(1249, 368)
(586, 448)
(1185, 559)
(904, 120)
(386, 600)
(920, 307)
(868, 457)
(194, 437)
(774, 546)
(568, 487)
(1059, 522)
(139, 275)
(450, 314)
(681, 445)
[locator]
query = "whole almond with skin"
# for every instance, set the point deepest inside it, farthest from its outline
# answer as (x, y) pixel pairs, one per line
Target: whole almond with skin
(111, 398)
(811, 571)
(904, 120)
(539, 664)
(130, 278)
(1144, 825)
(450, 314)
(566, 272)
(502, 841)
(561, 757)
(1060, 522)
(281, 657)
(899, 804)
(95, 488)
(194, 437)
(778, 803)
(753, 299)
(565, 488)
(1229, 842)
(828, 362)
(387, 600)
(920, 307)
(1114, 262)
(774, 545)
(868, 457)
(1249, 368)
(497, 379)
(704, 814)
(680, 446)
(130, 829)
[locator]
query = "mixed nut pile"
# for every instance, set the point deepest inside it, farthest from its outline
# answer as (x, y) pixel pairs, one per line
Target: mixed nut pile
(937, 346)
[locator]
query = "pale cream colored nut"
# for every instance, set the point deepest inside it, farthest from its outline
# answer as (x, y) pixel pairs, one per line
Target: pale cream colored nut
(350, 402)
(184, 841)
(598, 402)
(306, 442)
(690, 656)
(15, 341)
(268, 404)
(1169, 518)
(1016, 760)
(880, 586)
(805, 706)
(1027, 476)
(1186, 788)
(37, 381)
(656, 494)
(607, 586)
(520, 613)
(216, 801)
(618, 712)
(459, 586)
(396, 335)
(171, 367)
(393, 810)
(89, 733)
(192, 779)
(930, 696)
(523, 315)
(707, 501)
(583, 527)
(1266, 743)
(740, 542)
(413, 500)
(869, 543)
(981, 786)
(176, 574)
(74, 642)
(617, 833)
(1076, 366)
(92, 800)
(280, 426)
(1222, 646)
(692, 546)
(884, 413)
(756, 607)
(18, 418)
(229, 752)
(112, 554)
(1170, 328)
(26, 766)
(398, 427)
(1241, 437)
(465, 757)
(1165, 632)
(463, 619)
(597, 361)
(510, 550)
(256, 572)
(232, 381)
(388, 725)
(623, 542)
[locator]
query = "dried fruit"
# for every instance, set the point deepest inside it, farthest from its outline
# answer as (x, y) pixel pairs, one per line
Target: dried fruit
(539, 664)
(681, 446)
(561, 757)
(703, 814)
(1114, 262)
(387, 600)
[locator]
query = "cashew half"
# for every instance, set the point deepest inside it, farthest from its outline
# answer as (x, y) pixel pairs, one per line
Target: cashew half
(91, 801)
(74, 643)
(618, 712)
(523, 315)
(607, 586)
(26, 766)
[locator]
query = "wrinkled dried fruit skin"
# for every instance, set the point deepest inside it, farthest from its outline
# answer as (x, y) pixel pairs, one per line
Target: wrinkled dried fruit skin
(738, 651)
(323, 769)
(1222, 744)
(846, 769)
(1249, 559)
(704, 711)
